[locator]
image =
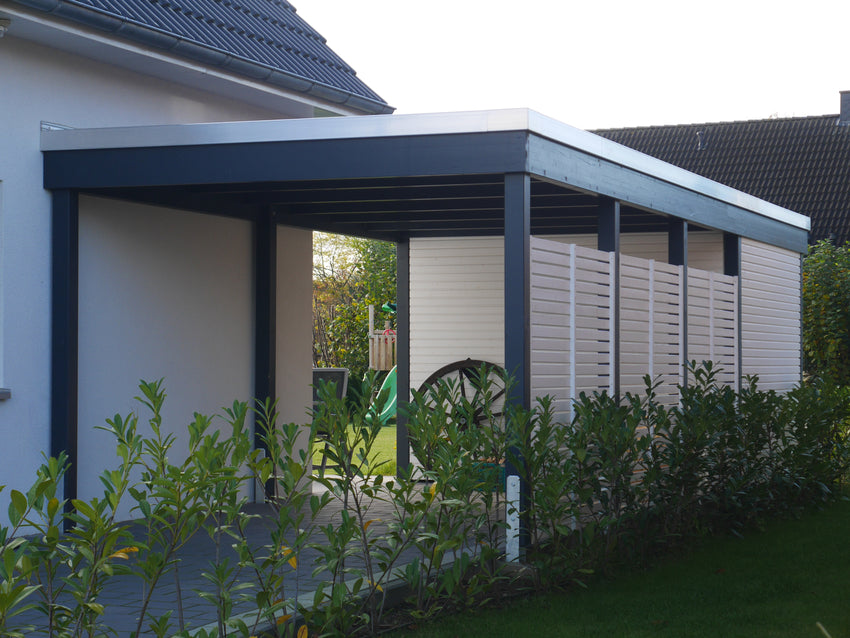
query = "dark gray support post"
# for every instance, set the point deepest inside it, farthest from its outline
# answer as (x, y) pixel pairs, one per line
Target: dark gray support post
(265, 316)
(732, 267)
(731, 255)
(517, 286)
(402, 319)
(65, 333)
(608, 240)
(517, 334)
(677, 255)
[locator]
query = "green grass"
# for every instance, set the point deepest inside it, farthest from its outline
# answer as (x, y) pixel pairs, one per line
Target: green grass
(776, 583)
(383, 453)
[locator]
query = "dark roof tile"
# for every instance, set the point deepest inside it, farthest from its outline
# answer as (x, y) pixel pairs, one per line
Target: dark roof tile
(264, 39)
(802, 164)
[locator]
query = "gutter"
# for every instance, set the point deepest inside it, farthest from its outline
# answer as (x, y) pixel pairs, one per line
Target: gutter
(209, 56)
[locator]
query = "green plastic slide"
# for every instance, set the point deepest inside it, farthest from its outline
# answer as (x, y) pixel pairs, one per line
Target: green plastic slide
(389, 385)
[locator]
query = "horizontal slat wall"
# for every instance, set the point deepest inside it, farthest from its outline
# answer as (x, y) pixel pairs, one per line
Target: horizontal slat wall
(593, 311)
(650, 326)
(552, 327)
(636, 322)
(705, 248)
(570, 321)
(770, 314)
(457, 311)
(712, 321)
(456, 302)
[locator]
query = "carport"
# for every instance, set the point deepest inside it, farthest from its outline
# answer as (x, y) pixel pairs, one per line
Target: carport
(404, 178)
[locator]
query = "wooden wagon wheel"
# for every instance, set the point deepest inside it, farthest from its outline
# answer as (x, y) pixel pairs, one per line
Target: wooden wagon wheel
(481, 383)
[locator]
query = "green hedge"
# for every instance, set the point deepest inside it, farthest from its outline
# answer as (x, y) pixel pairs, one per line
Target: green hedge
(623, 480)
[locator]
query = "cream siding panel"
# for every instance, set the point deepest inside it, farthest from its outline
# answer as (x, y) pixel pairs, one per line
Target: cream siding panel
(712, 322)
(705, 248)
(650, 326)
(553, 365)
(770, 314)
(456, 302)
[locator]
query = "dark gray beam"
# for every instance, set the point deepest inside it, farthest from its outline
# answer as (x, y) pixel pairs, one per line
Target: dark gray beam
(402, 352)
(677, 255)
(608, 240)
(362, 158)
(265, 315)
(65, 333)
(517, 286)
(732, 267)
(562, 164)
(731, 254)
(677, 242)
(517, 304)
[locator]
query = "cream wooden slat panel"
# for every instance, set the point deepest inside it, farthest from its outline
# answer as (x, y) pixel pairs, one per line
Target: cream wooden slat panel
(770, 317)
(456, 302)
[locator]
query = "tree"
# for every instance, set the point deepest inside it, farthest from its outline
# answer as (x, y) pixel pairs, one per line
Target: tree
(826, 311)
(349, 273)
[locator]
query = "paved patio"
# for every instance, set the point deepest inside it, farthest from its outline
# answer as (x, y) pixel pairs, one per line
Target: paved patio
(122, 597)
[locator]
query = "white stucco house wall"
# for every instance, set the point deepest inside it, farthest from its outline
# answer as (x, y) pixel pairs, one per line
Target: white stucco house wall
(162, 293)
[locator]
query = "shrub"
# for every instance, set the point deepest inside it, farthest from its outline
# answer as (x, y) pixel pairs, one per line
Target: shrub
(623, 480)
(826, 311)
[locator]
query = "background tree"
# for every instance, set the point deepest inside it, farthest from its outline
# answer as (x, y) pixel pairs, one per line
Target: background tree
(349, 273)
(826, 311)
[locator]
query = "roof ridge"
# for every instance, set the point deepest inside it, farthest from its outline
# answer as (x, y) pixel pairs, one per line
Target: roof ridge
(716, 123)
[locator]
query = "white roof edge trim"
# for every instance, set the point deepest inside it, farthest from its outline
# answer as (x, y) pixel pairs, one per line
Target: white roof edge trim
(396, 125)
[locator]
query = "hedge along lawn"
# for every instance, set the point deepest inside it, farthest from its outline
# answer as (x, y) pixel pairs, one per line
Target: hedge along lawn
(383, 453)
(776, 583)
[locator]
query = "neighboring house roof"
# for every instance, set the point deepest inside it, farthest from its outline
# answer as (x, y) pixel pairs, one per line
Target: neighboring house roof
(800, 163)
(265, 40)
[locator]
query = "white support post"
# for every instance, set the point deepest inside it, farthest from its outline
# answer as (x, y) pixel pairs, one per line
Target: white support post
(512, 497)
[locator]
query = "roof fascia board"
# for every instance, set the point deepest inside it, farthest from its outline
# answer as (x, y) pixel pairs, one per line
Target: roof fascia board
(250, 77)
(307, 129)
(565, 165)
(606, 149)
(428, 124)
(354, 158)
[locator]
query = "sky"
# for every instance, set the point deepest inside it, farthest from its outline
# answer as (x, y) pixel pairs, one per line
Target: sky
(596, 63)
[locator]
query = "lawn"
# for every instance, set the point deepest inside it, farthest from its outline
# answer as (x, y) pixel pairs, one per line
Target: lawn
(383, 453)
(777, 583)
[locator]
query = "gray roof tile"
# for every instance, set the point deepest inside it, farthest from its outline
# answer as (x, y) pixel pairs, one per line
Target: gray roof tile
(263, 39)
(800, 163)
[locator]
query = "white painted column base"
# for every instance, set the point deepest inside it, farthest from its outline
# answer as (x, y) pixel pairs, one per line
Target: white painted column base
(512, 518)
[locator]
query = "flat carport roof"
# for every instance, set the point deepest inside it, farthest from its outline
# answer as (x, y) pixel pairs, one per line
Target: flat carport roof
(396, 176)
(510, 173)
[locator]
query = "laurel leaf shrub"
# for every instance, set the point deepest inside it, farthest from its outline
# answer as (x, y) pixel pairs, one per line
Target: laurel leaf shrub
(826, 311)
(623, 480)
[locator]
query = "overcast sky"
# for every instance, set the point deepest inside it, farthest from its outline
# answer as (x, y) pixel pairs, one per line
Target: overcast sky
(596, 63)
